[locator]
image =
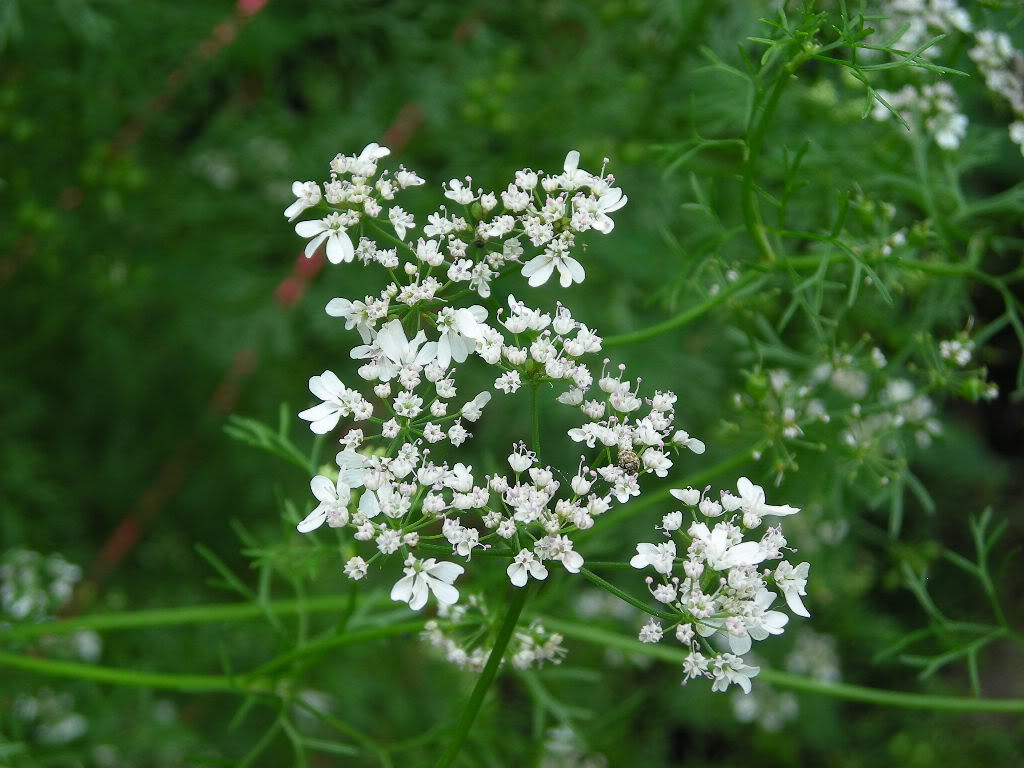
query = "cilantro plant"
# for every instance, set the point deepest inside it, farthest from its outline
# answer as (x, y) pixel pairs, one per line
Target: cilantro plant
(688, 445)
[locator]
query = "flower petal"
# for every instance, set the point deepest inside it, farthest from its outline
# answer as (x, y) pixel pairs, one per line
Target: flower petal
(310, 228)
(312, 521)
(323, 489)
(402, 591)
(445, 571)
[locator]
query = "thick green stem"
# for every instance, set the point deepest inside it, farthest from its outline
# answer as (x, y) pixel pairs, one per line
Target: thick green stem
(476, 698)
(795, 682)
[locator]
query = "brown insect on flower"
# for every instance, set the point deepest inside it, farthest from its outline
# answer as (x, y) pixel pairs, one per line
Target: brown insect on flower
(629, 462)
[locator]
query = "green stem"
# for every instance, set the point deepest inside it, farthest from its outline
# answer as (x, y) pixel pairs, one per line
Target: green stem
(795, 682)
(535, 419)
(682, 318)
(755, 138)
(131, 677)
(243, 683)
(483, 684)
(191, 614)
(607, 586)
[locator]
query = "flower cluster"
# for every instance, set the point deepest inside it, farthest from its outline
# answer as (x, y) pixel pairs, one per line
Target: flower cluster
(708, 579)
(935, 104)
(918, 22)
(1002, 66)
(33, 586)
(398, 485)
(455, 633)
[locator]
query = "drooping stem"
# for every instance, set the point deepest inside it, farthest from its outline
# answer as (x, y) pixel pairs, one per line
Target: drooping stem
(483, 684)
(846, 691)
(191, 614)
(256, 681)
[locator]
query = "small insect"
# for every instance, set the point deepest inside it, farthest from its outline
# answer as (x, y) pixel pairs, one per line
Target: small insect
(629, 461)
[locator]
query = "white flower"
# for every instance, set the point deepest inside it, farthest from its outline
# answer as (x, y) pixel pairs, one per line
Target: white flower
(331, 229)
(526, 564)
(758, 623)
(474, 409)
(688, 496)
(573, 177)
(651, 632)
(365, 165)
(396, 351)
(353, 468)
(401, 221)
(660, 556)
(539, 269)
(608, 201)
(459, 192)
(407, 178)
(792, 580)
(753, 503)
(308, 194)
(728, 669)
(683, 438)
(423, 575)
(333, 507)
(355, 568)
(338, 401)
(356, 316)
(720, 554)
(559, 548)
(460, 329)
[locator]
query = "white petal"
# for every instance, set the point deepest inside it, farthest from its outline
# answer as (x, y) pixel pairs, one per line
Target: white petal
(312, 521)
(517, 574)
(747, 553)
(427, 353)
(339, 248)
(444, 352)
(402, 591)
(739, 645)
(392, 341)
(445, 593)
(419, 594)
(321, 425)
(744, 682)
(368, 504)
(310, 228)
(313, 244)
(541, 275)
(575, 268)
(295, 209)
(323, 489)
(572, 161)
(532, 266)
(572, 561)
(338, 307)
(445, 571)
(795, 604)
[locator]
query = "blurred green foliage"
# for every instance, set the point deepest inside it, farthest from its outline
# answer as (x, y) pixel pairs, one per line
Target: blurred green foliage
(146, 154)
